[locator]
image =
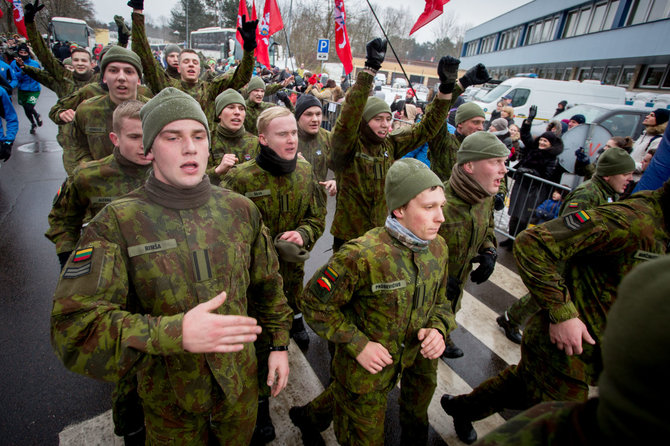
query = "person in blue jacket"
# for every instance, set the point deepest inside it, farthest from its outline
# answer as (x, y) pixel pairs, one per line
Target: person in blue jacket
(7, 136)
(7, 81)
(29, 89)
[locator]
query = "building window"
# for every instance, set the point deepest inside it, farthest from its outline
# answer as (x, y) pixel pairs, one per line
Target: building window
(584, 74)
(611, 75)
(559, 74)
(611, 12)
(571, 24)
(519, 96)
(598, 16)
(487, 44)
(626, 76)
(666, 82)
(597, 73)
(648, 10)
(652, 76)
(471, 49)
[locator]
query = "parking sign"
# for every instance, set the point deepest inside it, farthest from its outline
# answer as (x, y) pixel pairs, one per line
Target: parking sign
(322, 49)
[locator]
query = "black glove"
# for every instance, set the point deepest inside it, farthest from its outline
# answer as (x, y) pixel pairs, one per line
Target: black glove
(136, 4)
(499, 201)
(475, 76)
(282, 96)
(532, 112)
(248, 33)
(29, 11)
(123, 31)
(487, 261)
(375, 51)
(582, 157)
(453, 288)
(62, 258)
(6, 150)
(447, 70)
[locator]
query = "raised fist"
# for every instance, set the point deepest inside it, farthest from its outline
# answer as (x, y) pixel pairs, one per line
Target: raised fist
(376, 51)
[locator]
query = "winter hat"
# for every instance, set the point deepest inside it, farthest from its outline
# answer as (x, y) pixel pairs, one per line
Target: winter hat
(410, 93)
(167, 106)
(632, 407)
(499, 126)
(662, 115)
(256, 83)
(563, 103)
(171, 48)
(304, 102)
(579, 119)
(551, 137)
(405, 179)
(23, 47)
(467, 111)
(481, 146)
(613, 162)
(229, 96)
(67, 61)
(120, 54)
(289, 251)
(373, 107)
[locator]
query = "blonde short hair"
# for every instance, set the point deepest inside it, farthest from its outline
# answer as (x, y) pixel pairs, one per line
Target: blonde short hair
(126, 110)
(509, 110)
(270, 114)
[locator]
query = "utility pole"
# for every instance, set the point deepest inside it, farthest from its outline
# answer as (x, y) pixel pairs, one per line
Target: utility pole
(188, 35)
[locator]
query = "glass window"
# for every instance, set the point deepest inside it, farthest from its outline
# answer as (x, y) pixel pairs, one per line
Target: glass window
(583, 21)
(611, 75)
(519, 96)
(497, 92)
(622, 124)
(584, 74)
(541, 73)
(547, 28)
(559, 74)
(611, 12)
(626, 76)
(597, 73)
(652, 76)
(638, 13)
(570, 24)
(598, 16)
(666, 82)
(568, 74)
(659, 10)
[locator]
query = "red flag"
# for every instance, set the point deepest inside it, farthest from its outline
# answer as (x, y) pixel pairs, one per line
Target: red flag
(18, 17)
(269, 24)
(241, 11)
(253, 10)
(342, 38)
(432, 11)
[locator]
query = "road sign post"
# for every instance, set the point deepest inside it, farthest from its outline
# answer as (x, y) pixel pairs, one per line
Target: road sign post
(322, 49)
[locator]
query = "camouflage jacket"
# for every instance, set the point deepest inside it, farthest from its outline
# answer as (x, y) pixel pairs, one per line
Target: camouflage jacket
(168, 261)
(572, 266)
(270, 89)
(376, 289)
(587, 195)
(287, 202)
(244, 147)
(253, 112)
(316, 150)
(92, 124)
(443, 146)
(360, 167)
(467, 229)
(203, 92)
(92, 187)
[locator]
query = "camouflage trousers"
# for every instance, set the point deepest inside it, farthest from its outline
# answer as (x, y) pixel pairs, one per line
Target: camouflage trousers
(522, 310)
(359, 418)
(292, 275)
(127, 410)
(230, 422)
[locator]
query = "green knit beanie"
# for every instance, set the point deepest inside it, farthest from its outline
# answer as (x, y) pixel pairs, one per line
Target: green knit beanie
(120, 54)
(406, 179)
(467, 111)
(229, 96)
(171, 48)
(167, 106)
(632, 406)
(255, 83)
(375, 106)
(67, 61)
(613, 162)
(481, 146)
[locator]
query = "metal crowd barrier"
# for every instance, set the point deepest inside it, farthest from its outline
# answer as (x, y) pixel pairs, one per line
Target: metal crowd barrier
(520, 204)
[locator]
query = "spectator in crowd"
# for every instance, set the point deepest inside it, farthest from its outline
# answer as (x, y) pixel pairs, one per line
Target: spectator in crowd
(549, 208)
(583, 165)
(404, 115)
(508, 114)
(654, 126)
(499, 128)
(576, 120)
(558, 127)
(344, 83)
(11, 127)
(560, 108)
(29, 89)
(517, 145)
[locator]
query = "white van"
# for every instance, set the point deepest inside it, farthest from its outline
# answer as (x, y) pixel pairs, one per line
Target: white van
(546, 94)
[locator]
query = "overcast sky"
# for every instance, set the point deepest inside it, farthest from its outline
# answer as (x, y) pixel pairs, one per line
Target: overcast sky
(473, 12)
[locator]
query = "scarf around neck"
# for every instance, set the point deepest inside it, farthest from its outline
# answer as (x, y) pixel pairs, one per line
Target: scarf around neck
(405, 236)
(466, 187)
(268, 159)
(173, 197)
(227, 133)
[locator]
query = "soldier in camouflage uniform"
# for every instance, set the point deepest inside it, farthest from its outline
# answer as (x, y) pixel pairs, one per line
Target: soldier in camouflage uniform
(572, 266)
(382, 300)
(189, 66)
(255, 106)
(363, 148)
(468, 228)
(97, 183)
(283, 188)
(194, 260)
(231, 143)
(631, 407)
(270, 89)
(314, 142)
(121, 72)
(613, 173)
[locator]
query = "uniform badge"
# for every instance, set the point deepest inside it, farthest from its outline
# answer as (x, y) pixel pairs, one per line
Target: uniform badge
(73, 272)
(318, 152)
(81, 255)
(574, 204)
(247, 157)
(323, 286)
(576, 220)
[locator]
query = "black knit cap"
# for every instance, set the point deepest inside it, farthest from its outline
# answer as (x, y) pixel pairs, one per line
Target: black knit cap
(304, 102)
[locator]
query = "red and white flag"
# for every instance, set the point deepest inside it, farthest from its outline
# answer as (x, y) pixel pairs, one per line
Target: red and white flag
(241, 11)
(342, 45)
(269, 23)
(253, 10)
(432, 11)
(18, 17)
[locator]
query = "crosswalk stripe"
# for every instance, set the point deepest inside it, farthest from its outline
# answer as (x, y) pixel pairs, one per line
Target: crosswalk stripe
(508, 281)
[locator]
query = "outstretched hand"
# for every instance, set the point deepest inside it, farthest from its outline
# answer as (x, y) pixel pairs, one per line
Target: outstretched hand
(375, 53)
(248, 33)
(30, 10)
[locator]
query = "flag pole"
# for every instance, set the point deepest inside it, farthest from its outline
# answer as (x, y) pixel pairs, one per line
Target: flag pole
(392, 49)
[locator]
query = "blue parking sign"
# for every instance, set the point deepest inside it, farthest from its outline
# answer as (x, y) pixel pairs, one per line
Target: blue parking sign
(323, 46)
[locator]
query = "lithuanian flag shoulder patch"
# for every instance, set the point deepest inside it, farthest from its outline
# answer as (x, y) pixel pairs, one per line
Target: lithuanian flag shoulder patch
(82, 255)
(573, 204)
(325, 283)
(577, 220)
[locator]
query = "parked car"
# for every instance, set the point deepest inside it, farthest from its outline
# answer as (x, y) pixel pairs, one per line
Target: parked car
(400, 82)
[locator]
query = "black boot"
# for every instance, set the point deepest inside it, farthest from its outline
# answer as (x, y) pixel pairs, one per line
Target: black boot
(450, 350)
(299, 333)
(264, 432)
(136, 438)
(32, 129)
(311, 435)
(464, 429)
(39, 120)
(512, 330)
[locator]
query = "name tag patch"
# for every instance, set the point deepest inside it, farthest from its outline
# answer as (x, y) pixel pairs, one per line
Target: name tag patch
(645, 255)
(148, 248)
(258, 193)
(389, 286)
(101, 200)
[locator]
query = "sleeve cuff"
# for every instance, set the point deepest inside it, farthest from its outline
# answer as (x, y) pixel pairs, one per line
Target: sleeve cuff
(357, 344)
(563, 313)
(165, 335)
